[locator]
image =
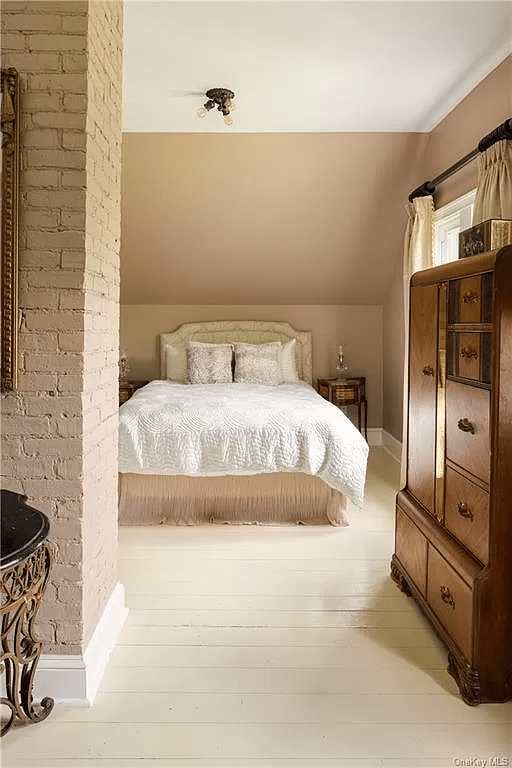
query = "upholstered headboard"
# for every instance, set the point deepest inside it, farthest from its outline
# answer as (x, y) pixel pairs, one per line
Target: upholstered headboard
(248, 331)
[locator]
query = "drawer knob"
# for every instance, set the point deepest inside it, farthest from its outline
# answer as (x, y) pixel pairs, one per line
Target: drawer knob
(428, 371)
(464, 510)
(447, 597)
(468, 353)
(466, 426)
(471, 297)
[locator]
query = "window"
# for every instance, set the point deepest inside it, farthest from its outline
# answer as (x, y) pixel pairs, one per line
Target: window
(448, 222)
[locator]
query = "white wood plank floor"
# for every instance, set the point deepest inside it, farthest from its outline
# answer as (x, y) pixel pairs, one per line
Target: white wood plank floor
(252, 646)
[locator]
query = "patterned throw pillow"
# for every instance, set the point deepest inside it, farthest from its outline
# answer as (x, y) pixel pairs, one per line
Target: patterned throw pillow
(209, 363)
(258, 363)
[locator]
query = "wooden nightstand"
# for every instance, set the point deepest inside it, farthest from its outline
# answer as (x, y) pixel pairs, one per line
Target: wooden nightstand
(349, 391)
(127, 388)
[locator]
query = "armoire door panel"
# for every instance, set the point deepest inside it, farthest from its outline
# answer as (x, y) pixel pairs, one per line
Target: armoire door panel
(422, 394)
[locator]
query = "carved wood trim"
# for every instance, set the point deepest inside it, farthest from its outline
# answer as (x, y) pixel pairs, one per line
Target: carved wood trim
(10, 125)
(467, 678)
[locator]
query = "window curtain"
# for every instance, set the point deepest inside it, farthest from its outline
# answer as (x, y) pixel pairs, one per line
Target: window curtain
(494, 192)
(417, 255)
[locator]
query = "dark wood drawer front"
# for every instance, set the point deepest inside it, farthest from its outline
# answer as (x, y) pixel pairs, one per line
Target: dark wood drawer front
(345, 395)
(467, 428)
(467, 513)
(411, 550)
(471, 300)
(466, 300)
(451, 600)
(469, 356)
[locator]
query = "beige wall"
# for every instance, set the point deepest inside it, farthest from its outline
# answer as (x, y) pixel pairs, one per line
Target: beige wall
(283, 218)
(486, 107)
(358, 328)
(59, 430)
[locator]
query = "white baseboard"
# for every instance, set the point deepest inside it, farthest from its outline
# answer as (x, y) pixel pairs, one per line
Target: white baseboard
(379, 436)
(392, 446)
(73, 681)
(374, 436)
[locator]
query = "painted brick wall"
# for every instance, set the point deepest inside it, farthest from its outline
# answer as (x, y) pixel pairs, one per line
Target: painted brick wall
(101, 333)
(58, 426)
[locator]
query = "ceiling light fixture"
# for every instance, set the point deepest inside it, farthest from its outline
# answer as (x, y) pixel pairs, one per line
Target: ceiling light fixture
(220, 98)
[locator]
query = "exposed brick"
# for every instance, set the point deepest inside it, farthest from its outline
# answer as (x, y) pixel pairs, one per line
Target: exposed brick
(58, 120)
(73, 140)
(38, 299)
(60, 363)
(39, 62)
(38, 342)
(53, 406)
(55, 489)
(56, 446)
(48, 138)
(47, 178)
(57, 43)
(74, 23)
(48, 198)
(74, 62)
(69, 257)
(54, 240)
(12, 42)
(39, 101)
(31, 22)
(62, 320)
(58, 278)
(29, 382)
(41, 218)
(25, 425)
(74, 102)
(54, 158)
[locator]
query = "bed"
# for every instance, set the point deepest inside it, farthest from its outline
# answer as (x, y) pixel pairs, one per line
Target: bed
(244, 452)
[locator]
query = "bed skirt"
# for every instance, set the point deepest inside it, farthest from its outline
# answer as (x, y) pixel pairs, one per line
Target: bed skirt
(275, 498)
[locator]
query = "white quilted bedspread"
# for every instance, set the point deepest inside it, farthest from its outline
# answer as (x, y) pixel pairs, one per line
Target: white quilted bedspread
(240, 429)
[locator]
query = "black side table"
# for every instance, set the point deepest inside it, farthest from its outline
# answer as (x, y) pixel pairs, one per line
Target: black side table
(25, 561)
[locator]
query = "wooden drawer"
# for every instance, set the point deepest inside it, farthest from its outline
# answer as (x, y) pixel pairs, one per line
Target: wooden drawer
(345, 394)
(470, 299)
(467, 428)
(451, 600)
(466, 513)
(469, 356)
(411, 549)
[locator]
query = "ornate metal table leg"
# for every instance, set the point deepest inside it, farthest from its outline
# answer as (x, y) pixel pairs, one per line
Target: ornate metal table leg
(21, 589)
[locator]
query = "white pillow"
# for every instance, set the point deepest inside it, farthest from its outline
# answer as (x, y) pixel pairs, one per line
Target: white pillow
(288, 363)
(176, 363)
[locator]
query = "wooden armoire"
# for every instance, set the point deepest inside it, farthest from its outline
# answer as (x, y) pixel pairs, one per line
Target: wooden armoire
(453, 535)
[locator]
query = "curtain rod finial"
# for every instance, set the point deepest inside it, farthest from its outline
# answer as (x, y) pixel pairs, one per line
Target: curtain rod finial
(427, 188)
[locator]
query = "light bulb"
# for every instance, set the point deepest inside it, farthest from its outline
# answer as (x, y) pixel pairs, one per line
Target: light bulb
(202, 112)
(228, 119)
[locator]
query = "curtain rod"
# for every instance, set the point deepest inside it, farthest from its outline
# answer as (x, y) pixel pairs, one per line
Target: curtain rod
(502, 132)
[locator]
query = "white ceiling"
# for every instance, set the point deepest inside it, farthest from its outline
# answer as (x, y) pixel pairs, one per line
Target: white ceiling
(307, 66)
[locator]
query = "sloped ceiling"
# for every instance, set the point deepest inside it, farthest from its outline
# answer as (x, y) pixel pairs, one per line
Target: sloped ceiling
(302, 200)
(263, 218)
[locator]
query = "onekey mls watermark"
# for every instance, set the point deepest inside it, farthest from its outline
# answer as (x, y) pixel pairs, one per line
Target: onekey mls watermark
(496, 761)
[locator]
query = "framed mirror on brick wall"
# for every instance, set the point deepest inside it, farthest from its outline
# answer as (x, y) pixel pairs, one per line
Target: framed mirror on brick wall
(10, 169)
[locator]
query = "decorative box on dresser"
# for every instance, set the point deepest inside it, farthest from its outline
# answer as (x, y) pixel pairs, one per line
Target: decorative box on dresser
(453, 535)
